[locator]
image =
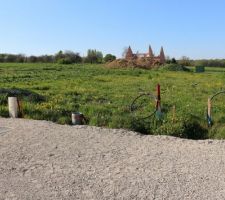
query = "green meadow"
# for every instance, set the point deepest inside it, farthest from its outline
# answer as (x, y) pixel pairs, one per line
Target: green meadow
(52, 92)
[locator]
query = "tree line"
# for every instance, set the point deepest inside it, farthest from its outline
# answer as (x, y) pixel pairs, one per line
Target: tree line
(186, 61)
(62, 57)
(210, 63)
(94, 56)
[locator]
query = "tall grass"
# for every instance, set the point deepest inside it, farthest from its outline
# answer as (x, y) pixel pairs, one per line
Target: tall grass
(104, 96)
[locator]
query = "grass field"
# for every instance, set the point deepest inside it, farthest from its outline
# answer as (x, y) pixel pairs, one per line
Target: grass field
(52, 92)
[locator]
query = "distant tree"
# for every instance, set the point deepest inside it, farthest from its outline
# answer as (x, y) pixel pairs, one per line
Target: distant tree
(99, 56)
(67, 57)
(2, 58)
(109, 58)
(210, 63)
(94, 56)
(47, 58)
(59, 56)
(10, 58)
(168, 60)
(32, 59)
(173, 61)
(185, 61)
(72, 57)
(20, 58)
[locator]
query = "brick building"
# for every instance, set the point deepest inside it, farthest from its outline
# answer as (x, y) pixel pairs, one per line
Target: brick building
(160, 59)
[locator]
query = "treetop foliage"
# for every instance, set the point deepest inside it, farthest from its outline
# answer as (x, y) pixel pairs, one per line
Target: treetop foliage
(62, 57)
(94, 56)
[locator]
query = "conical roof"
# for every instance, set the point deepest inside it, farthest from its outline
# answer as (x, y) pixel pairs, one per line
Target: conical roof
(129, 50)
(162, 56)
(150, 52)
(129, 53)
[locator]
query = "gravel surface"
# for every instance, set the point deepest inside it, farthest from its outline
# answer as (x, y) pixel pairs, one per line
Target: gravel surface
(42, 160)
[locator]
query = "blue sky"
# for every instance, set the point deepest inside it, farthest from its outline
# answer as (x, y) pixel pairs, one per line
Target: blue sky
(194, 28)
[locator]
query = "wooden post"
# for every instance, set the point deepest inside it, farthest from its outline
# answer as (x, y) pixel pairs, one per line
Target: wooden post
(209, 117)
(20, 107)
(158, 106)
(209, 107)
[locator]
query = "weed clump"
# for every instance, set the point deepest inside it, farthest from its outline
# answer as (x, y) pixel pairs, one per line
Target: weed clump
(174, 67)
(103, 95)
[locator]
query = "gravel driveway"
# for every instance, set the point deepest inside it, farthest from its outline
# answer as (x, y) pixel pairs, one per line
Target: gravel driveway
(42, 160)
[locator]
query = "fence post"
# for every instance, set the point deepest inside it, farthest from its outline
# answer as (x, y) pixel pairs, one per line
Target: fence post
(158, 106)
(13, 107)
(209, 117)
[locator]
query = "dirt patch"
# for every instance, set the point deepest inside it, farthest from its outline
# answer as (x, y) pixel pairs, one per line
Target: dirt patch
(42, 160)
(144, 63)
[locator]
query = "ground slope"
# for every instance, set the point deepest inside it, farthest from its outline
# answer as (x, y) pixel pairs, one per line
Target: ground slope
(42, 160)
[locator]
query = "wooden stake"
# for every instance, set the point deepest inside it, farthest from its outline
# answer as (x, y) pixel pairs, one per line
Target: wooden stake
(209, 107)
(209, 117)
(158, 106)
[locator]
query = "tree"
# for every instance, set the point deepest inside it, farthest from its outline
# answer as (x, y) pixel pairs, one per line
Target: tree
(10, 58)
(168, 60)
(72, 56)
(59, 56)
(185, 61)
(2, 57)
(99, 56)
(67, 57)
(20, 58)
(173, 61)
(109, 58)
(210, 63)
(32, 59)
(94, 56)
(47, 58)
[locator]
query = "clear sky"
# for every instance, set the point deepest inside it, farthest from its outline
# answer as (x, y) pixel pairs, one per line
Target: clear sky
(194, 28)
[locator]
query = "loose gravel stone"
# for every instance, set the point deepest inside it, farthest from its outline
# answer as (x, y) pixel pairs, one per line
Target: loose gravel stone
(43, 160)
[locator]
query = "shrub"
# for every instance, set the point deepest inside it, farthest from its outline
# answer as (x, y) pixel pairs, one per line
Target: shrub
(174, 67)
(93, 56)
(67, 57)
(109, 58)
(65, 61)
(185, 127)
